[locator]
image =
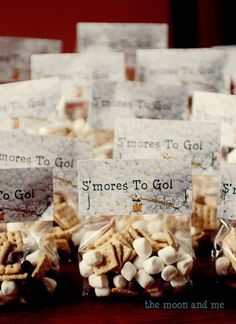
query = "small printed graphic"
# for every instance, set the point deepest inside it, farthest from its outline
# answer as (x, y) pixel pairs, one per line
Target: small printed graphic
(137, 203)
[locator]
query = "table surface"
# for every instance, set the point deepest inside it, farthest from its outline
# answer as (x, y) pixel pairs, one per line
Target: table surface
(207, 299)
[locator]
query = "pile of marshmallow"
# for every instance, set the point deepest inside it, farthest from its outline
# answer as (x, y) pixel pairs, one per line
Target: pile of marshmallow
(156, 261)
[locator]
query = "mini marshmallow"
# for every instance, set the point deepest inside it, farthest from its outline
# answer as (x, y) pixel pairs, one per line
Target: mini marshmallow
(30, 242)
(9, 288)
(185, 264)
(128, 271)
(50, 284)
(142, 247)
(102, 292)
(100, 281)
(178, 281)
(222, 266)
(92, 258)
(151, 217)
(76, 237)
(33, 258)
(85, 270)
(119, 281)
(168, 255)
(169, 273)
(154, 226)
(140, 225)
(144, 279)
(153, 265)
(138, 262)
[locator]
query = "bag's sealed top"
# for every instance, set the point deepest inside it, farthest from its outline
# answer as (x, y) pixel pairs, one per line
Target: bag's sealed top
(208, 106)
(200, 68)
(36, 100)
(135, 100)
(120, 187)
(25, 194)
(125, 37)
(227, 194)
(18, 149)
(145, 138)
(15, 55)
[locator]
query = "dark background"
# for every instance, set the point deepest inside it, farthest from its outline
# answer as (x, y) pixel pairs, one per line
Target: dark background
(193, 23)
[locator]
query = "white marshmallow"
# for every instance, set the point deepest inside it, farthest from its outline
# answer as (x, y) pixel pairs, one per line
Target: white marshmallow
(154, 226)
(92, 258)
(169, 273)
(119, 281)
(100, 281)
(140, 225)
(153, 265)
(222, 266)
(128, 271)
(185, 264)
(102, 292)
(142, 247)
(33, 258)
(9, 288)
(159, 236)
(30, 242)
(138, 262)
(144, 279)
(151, 217)
(85, 270)
(76, 237)
(50, 284)
(179, 281)
(168, 255)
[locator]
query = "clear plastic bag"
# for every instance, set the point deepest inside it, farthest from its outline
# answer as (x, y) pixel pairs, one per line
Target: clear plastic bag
(29, 265)
(136, 255)
(224, 252)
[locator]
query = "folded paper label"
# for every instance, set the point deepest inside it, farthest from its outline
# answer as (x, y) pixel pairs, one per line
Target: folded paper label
(227, 194)
(199, 69)
(209, 106)
(145, 138)
(26, 194)
(136, 100)
(119, 187)
(18, 150)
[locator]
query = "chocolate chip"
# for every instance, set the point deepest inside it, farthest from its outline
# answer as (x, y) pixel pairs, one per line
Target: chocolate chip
(26, 266)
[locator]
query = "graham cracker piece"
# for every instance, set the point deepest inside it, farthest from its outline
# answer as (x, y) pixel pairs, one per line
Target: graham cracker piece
(155, 246)
(119, 254)
(170, 238)
(65, 216)
(133, 232)
(20, 276)
(126, 253)
(12, 269)
(63, 245)
(132, 256)
(120, 238)
(43, 266)
(2, 269)
(109, 262)
(127, 236)
(4, 249)
(124, 292)
(196, 221)
(58, 233)
(104, 238)
(209, 218)
(16, 239)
